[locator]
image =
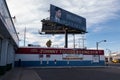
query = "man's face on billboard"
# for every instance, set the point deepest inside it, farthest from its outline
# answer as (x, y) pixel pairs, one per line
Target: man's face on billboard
(58, 13)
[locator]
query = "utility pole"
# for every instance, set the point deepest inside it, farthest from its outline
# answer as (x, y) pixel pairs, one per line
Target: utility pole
(24, 36)
(73, 40)
(79, 42)
(83, 41)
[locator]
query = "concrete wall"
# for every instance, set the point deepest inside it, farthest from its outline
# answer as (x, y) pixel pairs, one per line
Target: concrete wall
(34, 60)
(6, 56)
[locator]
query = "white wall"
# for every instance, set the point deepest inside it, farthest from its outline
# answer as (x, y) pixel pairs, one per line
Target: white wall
(35, 57)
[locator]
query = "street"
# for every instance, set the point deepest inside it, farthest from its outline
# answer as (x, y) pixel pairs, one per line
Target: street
(79, 73)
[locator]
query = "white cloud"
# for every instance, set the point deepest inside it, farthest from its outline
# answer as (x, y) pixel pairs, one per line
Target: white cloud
(29, 14)
(97, 29)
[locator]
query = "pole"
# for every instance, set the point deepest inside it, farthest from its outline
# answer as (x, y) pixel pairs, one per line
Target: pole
(99, 42)
(83, 41)
(97, 45)
(109, 58)
(24, 36)
(79, 42)
(73, 40)
(66, 39)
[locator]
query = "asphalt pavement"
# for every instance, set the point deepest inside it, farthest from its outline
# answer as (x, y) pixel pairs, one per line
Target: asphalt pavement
(63, 73)
(79, 73)
(20, 74)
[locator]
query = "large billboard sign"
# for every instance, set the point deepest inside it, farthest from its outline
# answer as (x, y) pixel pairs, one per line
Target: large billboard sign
(66, 18)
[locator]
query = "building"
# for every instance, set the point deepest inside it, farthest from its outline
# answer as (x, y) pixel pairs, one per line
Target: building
(8, 39)
(37, 57)
(115, 57)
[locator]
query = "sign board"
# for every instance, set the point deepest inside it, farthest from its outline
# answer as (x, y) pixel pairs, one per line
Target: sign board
(73, 56)
(29, 50)
(66, 18)
(96, 58)
(61, 20)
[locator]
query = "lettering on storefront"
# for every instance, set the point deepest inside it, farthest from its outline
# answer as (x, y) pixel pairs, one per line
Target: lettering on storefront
(60, 51)
(34, 50)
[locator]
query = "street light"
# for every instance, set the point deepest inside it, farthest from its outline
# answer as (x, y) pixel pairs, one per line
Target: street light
(109, 57)
(97, 43)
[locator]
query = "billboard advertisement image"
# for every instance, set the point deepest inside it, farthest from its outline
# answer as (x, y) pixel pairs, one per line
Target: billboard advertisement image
(66, 18)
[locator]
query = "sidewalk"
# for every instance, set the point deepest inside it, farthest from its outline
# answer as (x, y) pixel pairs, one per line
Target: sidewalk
(20, 74)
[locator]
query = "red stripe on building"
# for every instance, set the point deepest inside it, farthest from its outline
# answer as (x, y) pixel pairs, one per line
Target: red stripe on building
(59, 51)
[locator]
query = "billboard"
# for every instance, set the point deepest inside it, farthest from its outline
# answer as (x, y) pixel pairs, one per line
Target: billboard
(63, 17)
(51, 28)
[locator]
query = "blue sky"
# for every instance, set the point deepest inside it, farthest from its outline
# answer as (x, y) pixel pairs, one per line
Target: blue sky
(110, 32)
(103, 21)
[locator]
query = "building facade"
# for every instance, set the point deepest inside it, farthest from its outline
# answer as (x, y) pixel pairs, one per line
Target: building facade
(37, 57)
(8, 38)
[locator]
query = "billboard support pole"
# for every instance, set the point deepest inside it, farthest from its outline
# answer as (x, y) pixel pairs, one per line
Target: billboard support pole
(66, 38)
